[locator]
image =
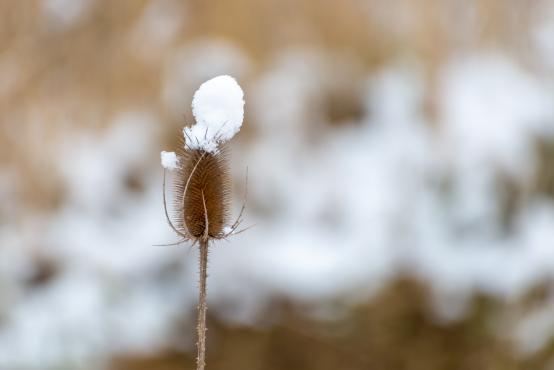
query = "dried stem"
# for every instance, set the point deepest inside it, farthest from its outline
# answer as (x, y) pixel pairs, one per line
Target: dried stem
(202, 306)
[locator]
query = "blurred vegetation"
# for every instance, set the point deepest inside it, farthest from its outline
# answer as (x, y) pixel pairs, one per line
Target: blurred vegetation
(84, 73)
(396, 330)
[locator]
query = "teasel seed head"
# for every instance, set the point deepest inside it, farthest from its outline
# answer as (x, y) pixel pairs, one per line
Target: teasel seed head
(202, 193)
(202, 184)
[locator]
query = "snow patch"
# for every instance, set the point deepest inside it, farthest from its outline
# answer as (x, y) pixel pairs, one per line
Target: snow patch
(169, 160)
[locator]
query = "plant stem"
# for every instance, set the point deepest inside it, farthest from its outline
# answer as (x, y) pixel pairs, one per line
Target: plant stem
(202, 307)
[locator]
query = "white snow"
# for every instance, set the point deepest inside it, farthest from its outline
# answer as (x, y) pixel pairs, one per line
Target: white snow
(169, 160)
(218, 106)
(492, 111)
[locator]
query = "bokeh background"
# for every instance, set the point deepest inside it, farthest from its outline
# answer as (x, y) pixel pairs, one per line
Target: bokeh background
(401, 180)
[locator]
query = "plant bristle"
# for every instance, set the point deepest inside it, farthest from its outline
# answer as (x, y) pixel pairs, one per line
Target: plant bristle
(202, 174)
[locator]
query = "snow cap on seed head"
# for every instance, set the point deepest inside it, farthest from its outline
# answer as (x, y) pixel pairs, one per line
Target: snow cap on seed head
(218, 107)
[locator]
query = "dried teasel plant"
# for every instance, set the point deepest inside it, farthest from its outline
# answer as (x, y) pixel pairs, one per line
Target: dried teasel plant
(202, 185)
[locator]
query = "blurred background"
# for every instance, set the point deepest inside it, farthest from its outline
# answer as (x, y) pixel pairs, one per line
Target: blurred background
(401, 179)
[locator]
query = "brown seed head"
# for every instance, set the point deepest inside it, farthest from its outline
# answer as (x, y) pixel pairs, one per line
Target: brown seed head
(202, 193)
